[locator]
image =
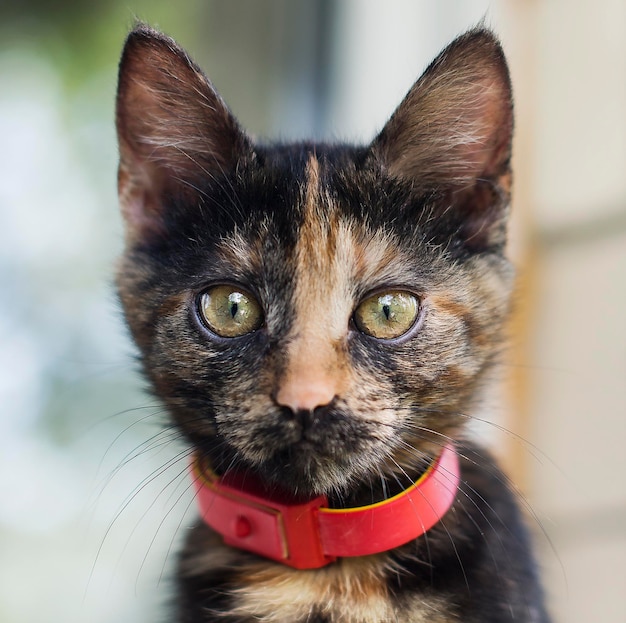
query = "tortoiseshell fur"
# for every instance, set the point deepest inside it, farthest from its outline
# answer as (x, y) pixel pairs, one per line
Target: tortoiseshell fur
(310, 230)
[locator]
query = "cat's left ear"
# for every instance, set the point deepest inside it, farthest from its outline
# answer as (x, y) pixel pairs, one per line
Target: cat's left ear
(452, 134)
(174, 131)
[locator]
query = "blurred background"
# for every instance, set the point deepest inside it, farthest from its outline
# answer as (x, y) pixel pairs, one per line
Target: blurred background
(92, 500)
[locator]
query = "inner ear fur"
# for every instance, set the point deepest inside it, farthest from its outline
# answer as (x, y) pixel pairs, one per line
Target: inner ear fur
(173, 128)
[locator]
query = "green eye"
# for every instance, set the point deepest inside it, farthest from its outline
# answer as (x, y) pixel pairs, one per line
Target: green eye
(229, 311)
(387, 315)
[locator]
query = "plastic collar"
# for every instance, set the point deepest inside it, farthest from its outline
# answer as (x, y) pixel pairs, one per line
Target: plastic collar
(310, 535)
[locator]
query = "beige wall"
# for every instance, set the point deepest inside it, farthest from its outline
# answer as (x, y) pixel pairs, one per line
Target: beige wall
(569, 59)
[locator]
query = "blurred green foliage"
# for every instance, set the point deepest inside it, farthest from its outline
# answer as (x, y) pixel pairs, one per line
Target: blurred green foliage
(83, 37)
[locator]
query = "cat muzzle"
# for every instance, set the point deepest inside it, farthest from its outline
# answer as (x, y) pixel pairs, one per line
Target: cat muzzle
(310, 535)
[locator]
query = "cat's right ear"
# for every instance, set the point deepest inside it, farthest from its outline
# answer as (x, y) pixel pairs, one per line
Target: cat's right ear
(174, 130)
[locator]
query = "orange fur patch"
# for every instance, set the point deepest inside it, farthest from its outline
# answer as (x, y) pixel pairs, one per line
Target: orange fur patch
(317, 368)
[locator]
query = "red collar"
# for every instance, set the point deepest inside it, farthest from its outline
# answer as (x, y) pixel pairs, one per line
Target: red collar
(310, 535)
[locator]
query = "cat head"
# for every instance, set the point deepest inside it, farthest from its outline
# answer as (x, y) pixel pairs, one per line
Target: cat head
(323, 315)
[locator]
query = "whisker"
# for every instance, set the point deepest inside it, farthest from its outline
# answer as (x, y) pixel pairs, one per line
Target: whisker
(159, 410)
(157, 440)
(502, 478)
(177, 477)
(127, 501)
(190, 486)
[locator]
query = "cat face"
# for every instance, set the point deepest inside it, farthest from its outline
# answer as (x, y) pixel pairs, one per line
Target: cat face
(322, 315)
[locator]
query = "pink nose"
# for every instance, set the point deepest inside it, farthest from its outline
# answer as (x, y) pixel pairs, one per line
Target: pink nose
(302, 393)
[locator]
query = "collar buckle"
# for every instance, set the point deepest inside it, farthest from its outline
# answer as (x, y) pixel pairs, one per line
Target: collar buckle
(273, 528)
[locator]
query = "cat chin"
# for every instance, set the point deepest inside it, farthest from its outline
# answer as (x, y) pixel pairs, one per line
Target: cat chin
(301, 486)
(302, 473)
(307, 476)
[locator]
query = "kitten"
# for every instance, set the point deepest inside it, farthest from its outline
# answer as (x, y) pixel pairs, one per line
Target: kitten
(318, 320)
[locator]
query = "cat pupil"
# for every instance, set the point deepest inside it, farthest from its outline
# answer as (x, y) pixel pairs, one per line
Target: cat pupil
(386, 311)
(233, 309)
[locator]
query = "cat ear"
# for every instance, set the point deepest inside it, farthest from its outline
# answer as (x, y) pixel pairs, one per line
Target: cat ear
(173, 129)
(453, 132)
